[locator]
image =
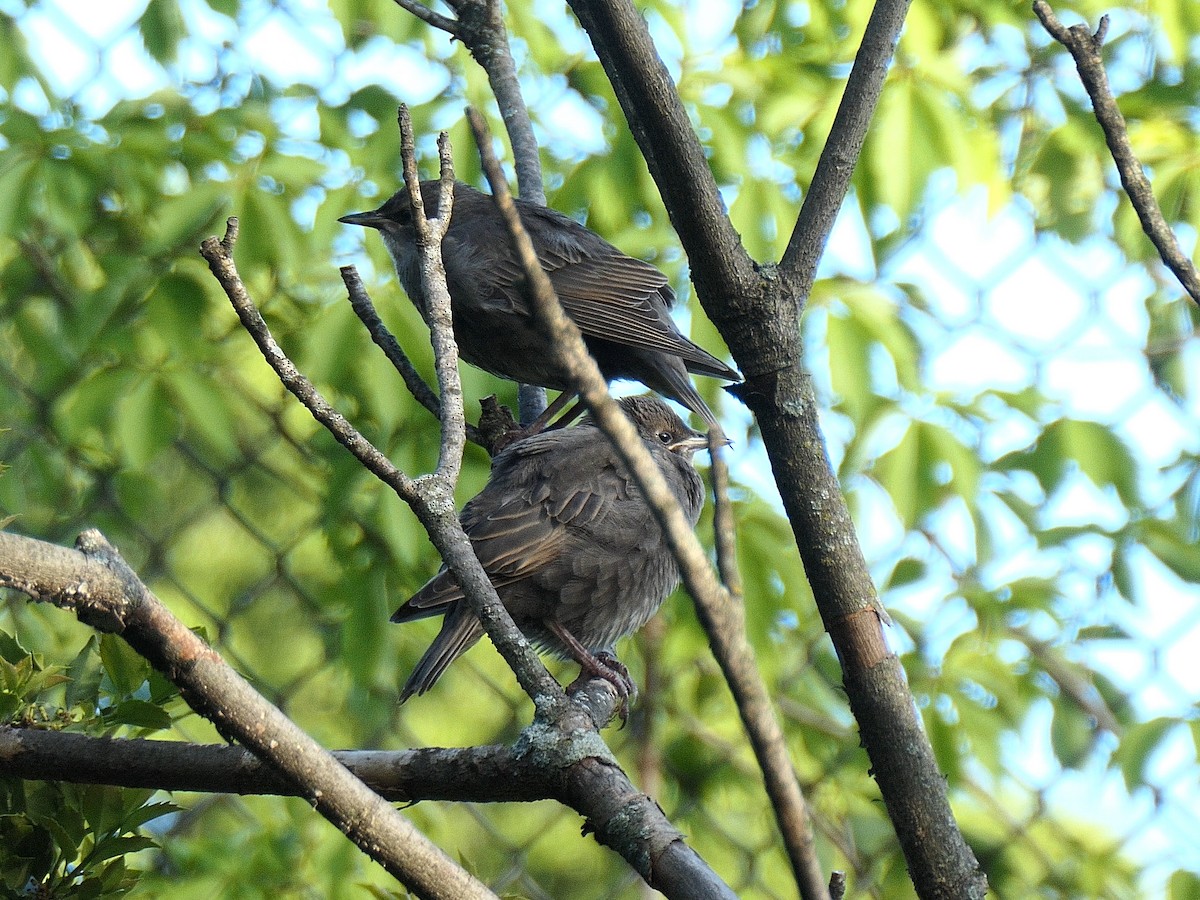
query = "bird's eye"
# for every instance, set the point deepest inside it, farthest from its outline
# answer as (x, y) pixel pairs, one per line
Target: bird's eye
(666, 437)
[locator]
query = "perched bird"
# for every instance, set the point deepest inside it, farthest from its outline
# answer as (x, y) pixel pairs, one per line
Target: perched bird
(622, 305)
(570, 544)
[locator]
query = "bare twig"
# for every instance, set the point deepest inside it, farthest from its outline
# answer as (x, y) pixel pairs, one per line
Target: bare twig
(480, 26)
(437, 296)
(481, 29)
(429, 17)
(360, 302)
(724, 528)
(722, 616)
(1085, 49)
(1070, 681)
(432, 499)
(95, 583)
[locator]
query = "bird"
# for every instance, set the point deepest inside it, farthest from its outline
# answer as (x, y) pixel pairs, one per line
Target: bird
(621, 304)
(570, 544)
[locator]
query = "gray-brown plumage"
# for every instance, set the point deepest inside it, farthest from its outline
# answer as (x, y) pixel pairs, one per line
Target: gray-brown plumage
(622, 305)
(569, 542)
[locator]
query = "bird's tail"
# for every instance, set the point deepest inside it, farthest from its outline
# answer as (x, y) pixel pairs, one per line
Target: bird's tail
(686, 394)
(460, 631)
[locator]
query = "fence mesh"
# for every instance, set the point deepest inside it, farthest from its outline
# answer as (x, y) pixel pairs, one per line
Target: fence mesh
(205, 531)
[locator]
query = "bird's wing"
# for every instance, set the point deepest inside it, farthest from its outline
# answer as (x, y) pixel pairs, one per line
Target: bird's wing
(624, 300)
(519, 528)
(607, 294)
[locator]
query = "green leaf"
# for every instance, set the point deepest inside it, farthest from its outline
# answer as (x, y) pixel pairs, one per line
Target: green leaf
(186, 219)
(1138, 745)
(899, 473)
(138, 714)
(1183, 885)
(146, 422)
(1071, 735)
(204, 410)
(1176, 551)
(119, 845)
(148, 812)
(1098, 452)
(124, 667)
(17, 174)
(162, 26)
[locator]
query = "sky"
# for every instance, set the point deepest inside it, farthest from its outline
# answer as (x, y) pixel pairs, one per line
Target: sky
(1068, 318)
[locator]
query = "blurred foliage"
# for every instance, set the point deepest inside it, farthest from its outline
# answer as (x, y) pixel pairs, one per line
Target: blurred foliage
(133, 402)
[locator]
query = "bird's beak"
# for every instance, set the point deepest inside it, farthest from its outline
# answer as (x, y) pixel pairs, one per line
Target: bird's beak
(370, 219)
(690, 444)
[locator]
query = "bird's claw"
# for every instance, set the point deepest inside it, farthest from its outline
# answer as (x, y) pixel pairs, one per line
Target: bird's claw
(610, 669)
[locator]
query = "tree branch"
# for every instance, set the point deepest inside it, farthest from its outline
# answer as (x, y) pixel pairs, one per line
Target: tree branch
(724, 528)
(1085, 49)
(431, 498)
(757, 315)
(480, 26)
(429, 17)
(831, 179)
(722, 616)
(94, 582)
(664, 134)
(360, 302)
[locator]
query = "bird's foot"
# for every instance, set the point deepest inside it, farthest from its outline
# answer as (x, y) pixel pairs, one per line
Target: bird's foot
(607, 667)
(497, 425)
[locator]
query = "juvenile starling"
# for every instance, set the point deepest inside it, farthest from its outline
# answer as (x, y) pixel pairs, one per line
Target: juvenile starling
(570, 544)
(622, 305)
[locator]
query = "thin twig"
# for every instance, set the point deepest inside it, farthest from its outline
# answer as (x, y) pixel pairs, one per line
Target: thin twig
(219, 254)
(723, 618)
(1070, 681)
(1085, 49)
(360, 302)
(724, 526)
(430, 233)
(480, 27)
(429, 17)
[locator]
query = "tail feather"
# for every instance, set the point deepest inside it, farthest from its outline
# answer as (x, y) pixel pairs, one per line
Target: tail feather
(687, 395)
(460, 631)
(701, 362)
(667, 375)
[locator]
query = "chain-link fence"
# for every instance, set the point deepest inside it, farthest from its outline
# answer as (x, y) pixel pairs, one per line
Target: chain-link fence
(995, 309)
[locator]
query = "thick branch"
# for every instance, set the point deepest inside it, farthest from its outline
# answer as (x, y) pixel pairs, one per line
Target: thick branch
(94, 582)
(474, 774)
(1085, 49)
(757, 317)
(664, 134)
